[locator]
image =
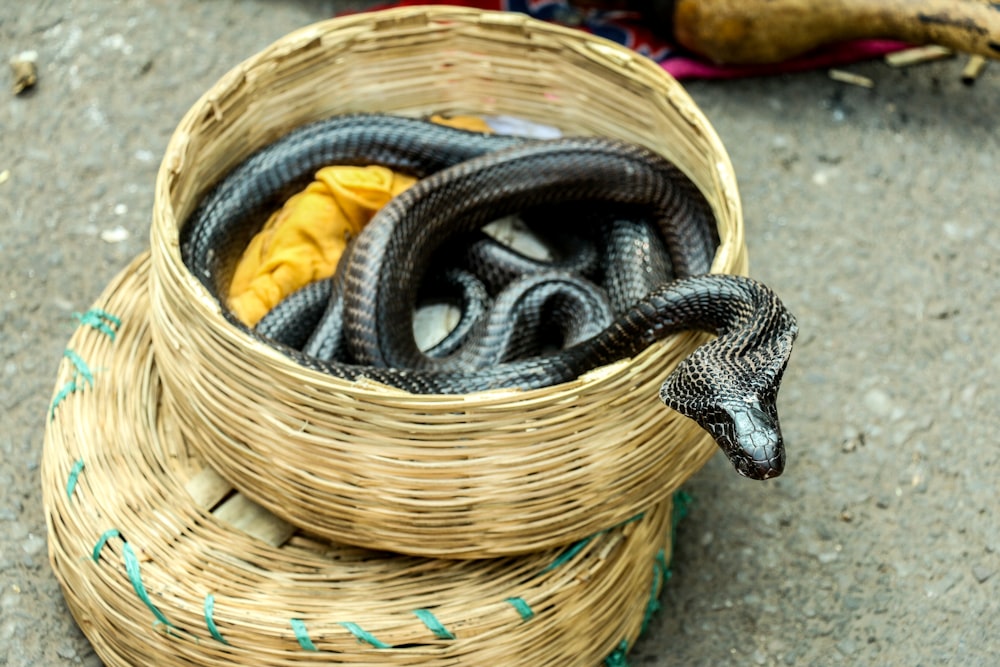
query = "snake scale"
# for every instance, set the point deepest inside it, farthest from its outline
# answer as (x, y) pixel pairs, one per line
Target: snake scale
(360, 322)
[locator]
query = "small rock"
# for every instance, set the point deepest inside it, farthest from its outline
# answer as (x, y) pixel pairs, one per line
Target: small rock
(826, 557)
(9, 600)
(33, 544)
(822, 176)
(116, 234)
(846, 646)
(25, 70)
(66, 651)
(968, 395)
(878, 402)
(940, 310)
(942, 586)
(981, 573)
(851, 443)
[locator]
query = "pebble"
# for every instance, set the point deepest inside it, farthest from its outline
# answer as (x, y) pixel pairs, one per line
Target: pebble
(941, 587)
(8, 630)
(9, 600)
(66, 651)
(852, 442)
(940, 310)
(33, 544)
(116, 234)
(878, 402)
(846, 646)
(981, 573)
(826, 557)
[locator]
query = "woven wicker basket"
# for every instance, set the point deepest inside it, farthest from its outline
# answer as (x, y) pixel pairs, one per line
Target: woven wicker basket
(486, 474)
(162, 565)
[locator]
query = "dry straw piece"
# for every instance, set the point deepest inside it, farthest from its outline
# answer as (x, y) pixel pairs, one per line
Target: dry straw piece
(158, 568)
(485, 474)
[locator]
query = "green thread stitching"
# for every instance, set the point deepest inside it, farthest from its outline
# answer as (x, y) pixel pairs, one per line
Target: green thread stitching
(433, 624)
(80, 366)
(522, 607)
(101, 320)
(578, 546)
(210, 622)
(108, 534)
(106, 316)
(363, 635)
(74, 474)
(132, 568)
(301, 634)
(80, 370)
(568, 553)
(618, 656)
(61, 395)
(653, 604)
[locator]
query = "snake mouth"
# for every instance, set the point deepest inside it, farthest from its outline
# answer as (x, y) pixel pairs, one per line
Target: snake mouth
(760, 470)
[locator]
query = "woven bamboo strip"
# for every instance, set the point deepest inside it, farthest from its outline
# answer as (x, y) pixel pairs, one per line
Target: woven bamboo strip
(485, 474)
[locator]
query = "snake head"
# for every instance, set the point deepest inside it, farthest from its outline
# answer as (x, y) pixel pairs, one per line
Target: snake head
(750, 436)
(748, 433)
(733, 397)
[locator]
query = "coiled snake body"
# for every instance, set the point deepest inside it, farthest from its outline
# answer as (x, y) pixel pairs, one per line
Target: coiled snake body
(359, 324)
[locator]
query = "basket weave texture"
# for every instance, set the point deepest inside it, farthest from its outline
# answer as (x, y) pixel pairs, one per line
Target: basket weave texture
(159, 571)
(479, 475)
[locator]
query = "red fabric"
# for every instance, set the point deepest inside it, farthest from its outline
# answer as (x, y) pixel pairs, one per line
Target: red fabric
(627, 28)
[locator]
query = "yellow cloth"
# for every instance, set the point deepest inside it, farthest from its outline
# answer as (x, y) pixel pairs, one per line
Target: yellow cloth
(303, 241)
(470, 123)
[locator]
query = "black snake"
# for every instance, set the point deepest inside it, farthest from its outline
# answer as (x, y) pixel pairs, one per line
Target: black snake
(729, 385)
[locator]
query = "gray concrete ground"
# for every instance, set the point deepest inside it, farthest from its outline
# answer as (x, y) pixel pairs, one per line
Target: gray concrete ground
(872, 212)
